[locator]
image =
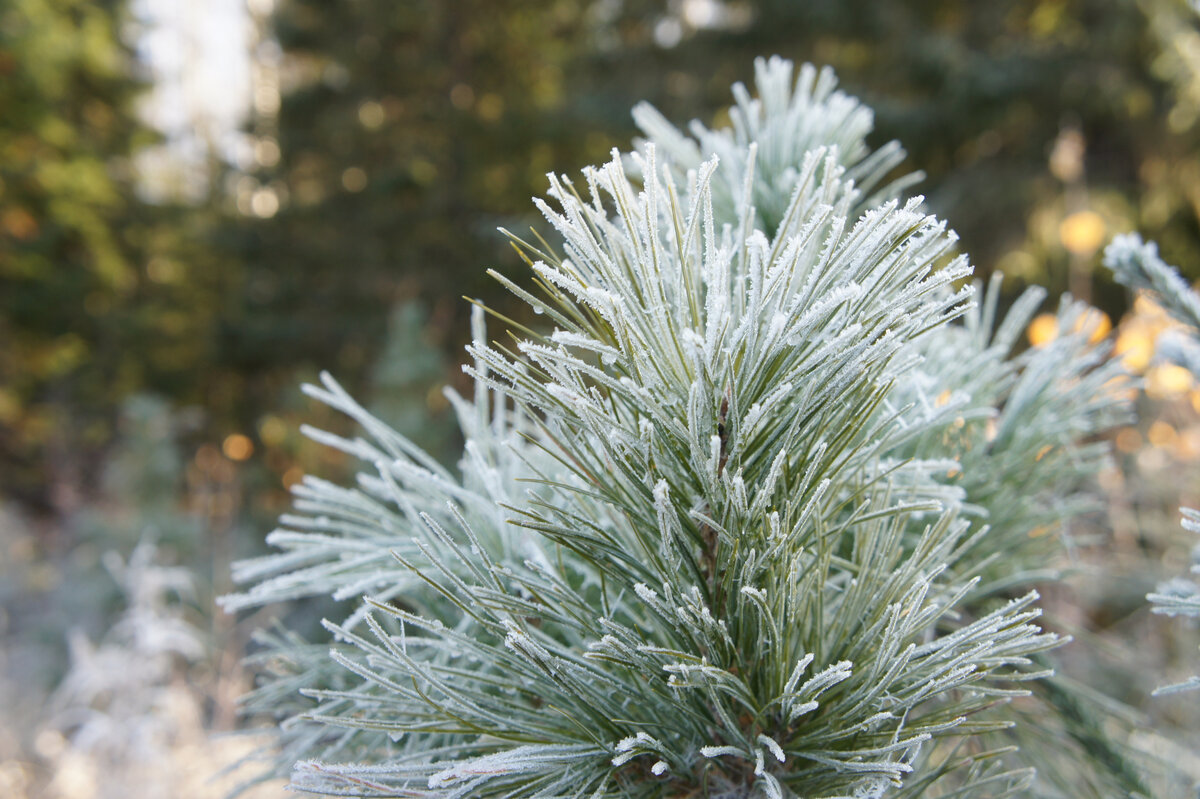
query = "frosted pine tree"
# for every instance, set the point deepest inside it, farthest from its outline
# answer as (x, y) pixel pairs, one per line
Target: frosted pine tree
(755, 511)
(1137, 265)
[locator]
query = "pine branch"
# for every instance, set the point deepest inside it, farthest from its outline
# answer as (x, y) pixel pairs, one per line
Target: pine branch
(1137, 265)
(751, 518)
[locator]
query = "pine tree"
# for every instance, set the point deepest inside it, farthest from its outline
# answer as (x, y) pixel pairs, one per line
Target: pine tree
(759, 512)
(69, 242)
(1137, 265)
(103, 294)
(401, 141)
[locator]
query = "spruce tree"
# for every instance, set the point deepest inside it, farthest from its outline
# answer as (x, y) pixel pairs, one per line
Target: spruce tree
(758, 510)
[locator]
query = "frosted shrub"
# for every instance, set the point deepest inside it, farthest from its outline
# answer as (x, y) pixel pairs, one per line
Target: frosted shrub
(122, 706)
(756, 510)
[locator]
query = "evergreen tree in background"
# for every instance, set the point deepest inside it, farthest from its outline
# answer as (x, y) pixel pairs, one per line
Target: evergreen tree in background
(756, 508)
(396, 165)
(407, 132)
(101, 294)
(981, 93)
(69, 252)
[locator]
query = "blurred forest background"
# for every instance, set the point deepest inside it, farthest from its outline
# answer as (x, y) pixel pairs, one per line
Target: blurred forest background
(202, 204)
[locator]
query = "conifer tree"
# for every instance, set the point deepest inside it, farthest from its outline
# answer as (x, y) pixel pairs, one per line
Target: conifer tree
(1137, 265)
(759, 511)
(71, 243)
(103, 293)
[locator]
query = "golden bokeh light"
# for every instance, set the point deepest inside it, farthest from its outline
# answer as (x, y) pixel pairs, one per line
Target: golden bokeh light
(1161, 434)
(1082, 232)
(371, 115)
(237, 447)
(1187, 446)
(1135, 346)
(1167, 381)
(292, 476)
(354, 179)
(1043, 329)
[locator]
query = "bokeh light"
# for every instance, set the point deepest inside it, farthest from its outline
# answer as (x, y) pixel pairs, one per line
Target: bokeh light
(237, 447)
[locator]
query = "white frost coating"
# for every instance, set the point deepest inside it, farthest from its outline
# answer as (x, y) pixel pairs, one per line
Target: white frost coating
(797, 710)
(742, 408)
(517, 640)
(521, 759)
(771, 786)
(827, 678)
(757, 593)
(773, 746)
(1138, 265)
(636, 746)
(714, 456)
(713, 752)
